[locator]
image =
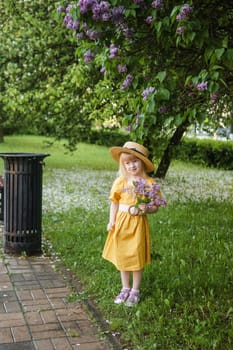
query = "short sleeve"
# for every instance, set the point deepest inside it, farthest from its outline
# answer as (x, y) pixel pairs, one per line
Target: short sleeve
(116, 190)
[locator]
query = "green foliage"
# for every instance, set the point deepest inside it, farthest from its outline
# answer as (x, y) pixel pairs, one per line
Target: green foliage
(187, 69)
(218, 154)
(36, 58)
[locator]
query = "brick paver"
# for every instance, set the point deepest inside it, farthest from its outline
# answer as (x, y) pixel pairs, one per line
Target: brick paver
(35, 313)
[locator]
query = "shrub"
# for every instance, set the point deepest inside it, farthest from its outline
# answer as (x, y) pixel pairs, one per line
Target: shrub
(218, 154)
(107, 138)
(212, 153)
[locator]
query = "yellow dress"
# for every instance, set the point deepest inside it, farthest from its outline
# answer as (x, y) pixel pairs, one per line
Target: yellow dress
(128, 245)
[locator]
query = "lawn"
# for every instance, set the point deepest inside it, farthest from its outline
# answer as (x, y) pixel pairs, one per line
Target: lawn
(187, 290)
(86, 156)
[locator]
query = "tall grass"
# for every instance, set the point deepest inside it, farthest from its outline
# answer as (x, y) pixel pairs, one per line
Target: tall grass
(187, 290)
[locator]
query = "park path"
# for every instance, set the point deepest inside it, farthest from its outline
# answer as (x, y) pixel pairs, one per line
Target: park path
(35, 313)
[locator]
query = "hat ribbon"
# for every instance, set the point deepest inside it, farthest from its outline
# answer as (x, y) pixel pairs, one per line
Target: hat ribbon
(134, 149)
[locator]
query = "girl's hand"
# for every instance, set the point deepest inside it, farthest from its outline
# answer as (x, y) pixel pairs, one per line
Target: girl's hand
(142, 209)
(110, 226)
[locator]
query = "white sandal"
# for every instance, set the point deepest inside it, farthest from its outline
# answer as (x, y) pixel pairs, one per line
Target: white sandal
(122, 297)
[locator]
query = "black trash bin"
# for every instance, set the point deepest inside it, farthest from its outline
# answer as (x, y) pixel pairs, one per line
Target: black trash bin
(1, 198)
(22, 202)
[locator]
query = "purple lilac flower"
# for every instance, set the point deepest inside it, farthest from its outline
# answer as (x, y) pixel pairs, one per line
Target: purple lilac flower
(69, 7)
(61, 9)
(126, 83)
(186, 9)
(76, 25)
(127, 32)
(104, 6)
(69, 24)
(85, 5)
(88, 56)
(122, 68)
(129, 128)
(180, 30)
(96, 9)
(157, 4)
(118, 14)
(106, 16)
(96, 17)
(113, 51)
(85, 26)
(190, 94)
(147, 91)
(101, 11)
(202, 86)
(92, 34)
(80, 36)
(148, 194)
(184, 12)
(102, 70)
(67, 19)
(96, 12)
(214, 96)
(149, 19)
(137, 121)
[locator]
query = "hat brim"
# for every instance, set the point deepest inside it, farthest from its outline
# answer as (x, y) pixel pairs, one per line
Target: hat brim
(116, 152)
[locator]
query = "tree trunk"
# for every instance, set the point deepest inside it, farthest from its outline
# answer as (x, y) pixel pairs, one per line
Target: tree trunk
(1, 135)
(168, 153)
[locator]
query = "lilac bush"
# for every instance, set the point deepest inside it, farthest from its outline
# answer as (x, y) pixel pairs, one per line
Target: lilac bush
(146, 46)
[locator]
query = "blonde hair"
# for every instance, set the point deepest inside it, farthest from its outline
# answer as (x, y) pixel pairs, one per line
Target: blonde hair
(126, 157)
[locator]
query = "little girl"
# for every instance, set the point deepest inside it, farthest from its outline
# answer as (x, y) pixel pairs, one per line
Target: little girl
(128, 241)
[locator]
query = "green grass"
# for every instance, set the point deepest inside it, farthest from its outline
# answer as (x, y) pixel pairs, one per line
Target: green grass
(86, 156)
(186, 291)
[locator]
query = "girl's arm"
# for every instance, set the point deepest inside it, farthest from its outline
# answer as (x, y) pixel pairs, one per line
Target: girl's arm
(112, 217)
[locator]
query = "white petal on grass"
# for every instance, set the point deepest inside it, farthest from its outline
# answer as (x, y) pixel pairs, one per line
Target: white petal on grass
(89, 189)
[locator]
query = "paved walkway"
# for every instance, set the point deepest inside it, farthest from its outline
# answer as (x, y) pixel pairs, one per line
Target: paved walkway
(35, 313)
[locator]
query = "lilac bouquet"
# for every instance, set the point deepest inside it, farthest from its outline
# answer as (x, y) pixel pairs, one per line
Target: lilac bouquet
(148, 194)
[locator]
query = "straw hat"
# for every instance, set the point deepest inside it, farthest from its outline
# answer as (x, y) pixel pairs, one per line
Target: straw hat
(137, 150)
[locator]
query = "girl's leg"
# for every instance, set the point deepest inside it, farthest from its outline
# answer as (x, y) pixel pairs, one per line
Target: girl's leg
(137, 278)
(125, 279)
(134, 295)
(124, 293)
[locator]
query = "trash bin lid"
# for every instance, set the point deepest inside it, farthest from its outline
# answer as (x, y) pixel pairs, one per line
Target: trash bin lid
(24, 155)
